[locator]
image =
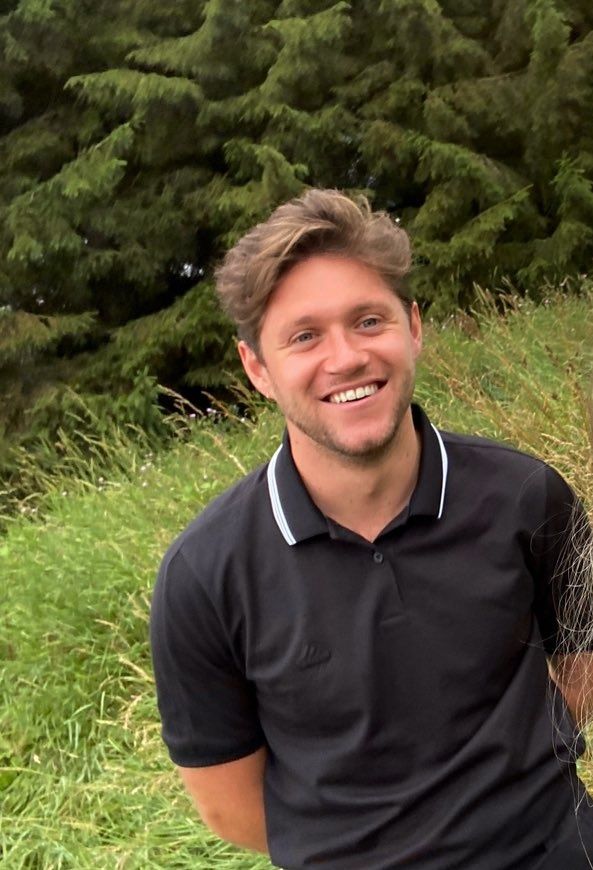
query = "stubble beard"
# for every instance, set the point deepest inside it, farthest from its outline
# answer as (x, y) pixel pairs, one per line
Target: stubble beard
(369, 451)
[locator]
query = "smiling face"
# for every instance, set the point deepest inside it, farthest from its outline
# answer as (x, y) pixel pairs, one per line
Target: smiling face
(337, 353)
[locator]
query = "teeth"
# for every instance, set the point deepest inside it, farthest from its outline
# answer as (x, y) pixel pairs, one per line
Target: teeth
(352, 395)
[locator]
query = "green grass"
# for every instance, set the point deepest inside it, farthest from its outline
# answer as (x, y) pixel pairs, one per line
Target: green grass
(525, 377)
(84, 778)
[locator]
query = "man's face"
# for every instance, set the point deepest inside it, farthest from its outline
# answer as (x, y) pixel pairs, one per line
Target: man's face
(337, 354)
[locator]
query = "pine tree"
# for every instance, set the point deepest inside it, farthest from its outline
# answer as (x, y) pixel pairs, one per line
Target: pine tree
(139, 140)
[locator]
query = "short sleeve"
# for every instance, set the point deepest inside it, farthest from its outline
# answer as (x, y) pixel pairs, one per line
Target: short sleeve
(208, 708)
(562, 604)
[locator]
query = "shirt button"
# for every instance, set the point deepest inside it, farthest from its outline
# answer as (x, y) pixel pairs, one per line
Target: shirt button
(377, 557)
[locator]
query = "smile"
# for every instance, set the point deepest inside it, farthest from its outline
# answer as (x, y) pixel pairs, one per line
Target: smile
(353, 395)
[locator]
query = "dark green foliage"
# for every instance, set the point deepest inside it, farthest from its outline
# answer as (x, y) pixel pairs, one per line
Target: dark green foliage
(139, 140)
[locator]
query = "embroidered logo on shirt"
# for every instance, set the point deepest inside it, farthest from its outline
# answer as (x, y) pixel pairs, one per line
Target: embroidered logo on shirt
(313, 655)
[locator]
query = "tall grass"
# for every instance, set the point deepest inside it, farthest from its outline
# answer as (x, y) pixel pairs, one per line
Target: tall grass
(523, 375)
(84, 778)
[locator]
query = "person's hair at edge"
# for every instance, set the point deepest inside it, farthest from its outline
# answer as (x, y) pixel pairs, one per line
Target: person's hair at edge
(317, 222)
(575, 609)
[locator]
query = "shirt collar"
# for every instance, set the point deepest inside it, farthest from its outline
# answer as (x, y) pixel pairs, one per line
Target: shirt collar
(298, 518)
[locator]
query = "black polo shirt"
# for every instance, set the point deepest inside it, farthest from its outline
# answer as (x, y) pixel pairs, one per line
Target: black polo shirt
(400, 686)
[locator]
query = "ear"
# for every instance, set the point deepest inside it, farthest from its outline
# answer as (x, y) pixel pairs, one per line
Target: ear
(416, 329)
(255, 370)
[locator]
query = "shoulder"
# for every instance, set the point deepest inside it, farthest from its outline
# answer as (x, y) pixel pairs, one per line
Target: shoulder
(230, 511)
(483, 462)
(477, 449)
(223, 529)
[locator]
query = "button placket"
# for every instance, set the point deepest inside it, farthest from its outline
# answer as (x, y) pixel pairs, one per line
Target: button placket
(384, 573)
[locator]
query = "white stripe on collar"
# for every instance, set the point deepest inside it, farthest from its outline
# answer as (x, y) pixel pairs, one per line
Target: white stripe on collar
(445, 462)
(277, 510)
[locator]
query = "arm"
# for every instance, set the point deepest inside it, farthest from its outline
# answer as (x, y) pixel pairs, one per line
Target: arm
(562, 547)
(208, 707)
(229, 799)
(573, 674)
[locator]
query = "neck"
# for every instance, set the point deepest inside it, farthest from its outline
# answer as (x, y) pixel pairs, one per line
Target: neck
(361, 493)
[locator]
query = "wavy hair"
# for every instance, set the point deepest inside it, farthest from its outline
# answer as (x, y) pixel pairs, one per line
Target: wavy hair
(572, 665)
(318, 222)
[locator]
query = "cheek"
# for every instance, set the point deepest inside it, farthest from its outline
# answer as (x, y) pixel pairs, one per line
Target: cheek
(298, 372)
(408, 352)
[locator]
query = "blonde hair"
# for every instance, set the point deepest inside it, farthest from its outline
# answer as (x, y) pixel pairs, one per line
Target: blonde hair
(572, 665)
(318, 222)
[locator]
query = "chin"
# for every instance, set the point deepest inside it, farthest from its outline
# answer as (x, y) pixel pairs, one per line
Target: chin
(362, 450)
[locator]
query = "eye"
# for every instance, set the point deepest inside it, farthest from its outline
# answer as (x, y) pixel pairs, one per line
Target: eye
(369, 322)
(302, 337)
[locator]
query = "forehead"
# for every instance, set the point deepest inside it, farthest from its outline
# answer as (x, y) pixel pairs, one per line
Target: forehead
(325, 284)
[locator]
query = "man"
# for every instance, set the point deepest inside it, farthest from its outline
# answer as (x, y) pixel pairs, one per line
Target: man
(350, 644)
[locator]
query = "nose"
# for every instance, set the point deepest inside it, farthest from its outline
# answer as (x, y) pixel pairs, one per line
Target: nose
(345, 352)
